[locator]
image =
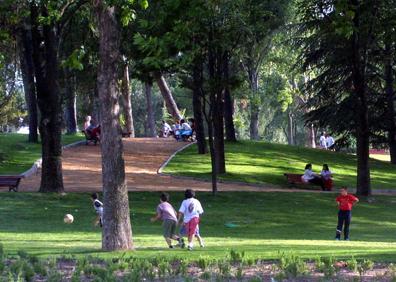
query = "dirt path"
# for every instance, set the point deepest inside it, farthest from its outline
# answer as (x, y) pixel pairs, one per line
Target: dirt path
(143, 157)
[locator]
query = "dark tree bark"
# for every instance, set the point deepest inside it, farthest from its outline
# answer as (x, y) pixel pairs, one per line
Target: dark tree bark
(150, 127)
(167, 95)
(127, 104)
(391, 100)
(228, 105)
(45, 42)
(27, 70)
(254, 108)
(198, 100)
(117, 231)
(290, 127)
(215, 67)
(360, 91)
(70, 103)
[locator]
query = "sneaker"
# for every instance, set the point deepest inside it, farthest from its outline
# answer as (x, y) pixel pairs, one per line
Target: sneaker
(189, 248)
(171, 247)
(337, 239)
(181, 243)
(346, 239)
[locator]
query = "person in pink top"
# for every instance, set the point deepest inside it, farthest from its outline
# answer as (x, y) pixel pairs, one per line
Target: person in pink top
(190, 210)
(167, 214)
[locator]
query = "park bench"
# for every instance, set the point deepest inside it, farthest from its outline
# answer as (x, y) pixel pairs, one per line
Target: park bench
(295, 179)
(10, 181)
(126, 134)
(89, 138)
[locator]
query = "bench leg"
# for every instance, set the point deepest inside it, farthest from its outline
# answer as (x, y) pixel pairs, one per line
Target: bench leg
(13, 189)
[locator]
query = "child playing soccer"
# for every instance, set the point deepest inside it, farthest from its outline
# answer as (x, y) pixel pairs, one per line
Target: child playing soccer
(167, 214)
(197, 235)
(98, 206)
(190, 210)
(345, 203)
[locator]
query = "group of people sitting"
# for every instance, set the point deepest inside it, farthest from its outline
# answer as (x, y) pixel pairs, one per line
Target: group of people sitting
(91, 129)
(326, 141)
(324, 179)
(182, 130)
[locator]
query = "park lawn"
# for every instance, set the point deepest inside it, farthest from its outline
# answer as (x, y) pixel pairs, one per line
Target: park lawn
(265, 225)
(17, 155)
(261, 163)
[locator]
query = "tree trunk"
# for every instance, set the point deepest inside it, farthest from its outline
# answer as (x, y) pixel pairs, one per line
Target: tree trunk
(228, 105)
(290, 131)
(49, 101)
(218, 131)
(254, 107)
(27, 70)
(362, 130)
(391, 100)
(71, 104)
(167, 95)
(127, 104)
(310, 141)
(148, 86)
(198, 96)
(117, 231)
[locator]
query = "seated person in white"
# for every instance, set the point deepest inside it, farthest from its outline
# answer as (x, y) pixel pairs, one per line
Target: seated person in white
(166, 129)
(185, 128)
(310, 177)
(322, 141)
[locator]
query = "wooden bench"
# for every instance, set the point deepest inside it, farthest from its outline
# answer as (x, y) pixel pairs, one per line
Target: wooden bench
(10, 181)
(126, 134)
(295, 179)
(89, 138)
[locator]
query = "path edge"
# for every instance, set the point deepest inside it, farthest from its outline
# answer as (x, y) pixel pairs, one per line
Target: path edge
(37, 164)
(165, 163)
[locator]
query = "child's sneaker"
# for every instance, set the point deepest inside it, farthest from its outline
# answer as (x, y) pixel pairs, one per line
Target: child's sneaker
(171, 247)
(189, 248)
(181, 243)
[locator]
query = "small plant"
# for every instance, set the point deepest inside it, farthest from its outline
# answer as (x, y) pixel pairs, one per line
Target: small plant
(203, 263)
(292, 266)
(224, 268)
(183, 267)
(28, 272)
(163, 269)
(352, 264)
(236, 257)
(364, 266)
(239, 273)
(1, 251)
(206, 276)
(23, 254)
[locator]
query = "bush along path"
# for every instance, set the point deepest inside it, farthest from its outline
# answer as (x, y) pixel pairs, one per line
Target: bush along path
(234, 267)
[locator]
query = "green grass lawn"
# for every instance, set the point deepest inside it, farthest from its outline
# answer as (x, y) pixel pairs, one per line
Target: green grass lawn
(266, 224)
(261, 162)
(17, 155)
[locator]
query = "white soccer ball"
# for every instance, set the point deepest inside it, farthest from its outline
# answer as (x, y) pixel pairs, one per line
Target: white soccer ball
(68, 218)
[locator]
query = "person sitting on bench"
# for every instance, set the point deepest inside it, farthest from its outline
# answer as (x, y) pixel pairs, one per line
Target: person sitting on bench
(93, 131)
(186, 130)
(166, 129)
(310, 177)
(327, 177)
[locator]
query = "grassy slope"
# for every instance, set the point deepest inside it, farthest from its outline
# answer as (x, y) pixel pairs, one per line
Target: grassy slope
(303, 223)
(17, 155)
(260, 162)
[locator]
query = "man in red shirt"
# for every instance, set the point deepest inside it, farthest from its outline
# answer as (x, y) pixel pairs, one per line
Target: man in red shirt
(345, 203)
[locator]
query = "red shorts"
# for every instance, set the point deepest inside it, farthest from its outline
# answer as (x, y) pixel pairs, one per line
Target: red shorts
(191, 226)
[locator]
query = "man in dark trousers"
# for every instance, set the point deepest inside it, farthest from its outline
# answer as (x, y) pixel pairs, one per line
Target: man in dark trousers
(345, 203)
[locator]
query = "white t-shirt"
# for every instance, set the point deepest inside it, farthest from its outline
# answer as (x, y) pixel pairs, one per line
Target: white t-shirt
(190, 208)
(329, 141)
(326, 174)
(308, 175)
(322, 141)
(167, 127)
(98, 206)
(185, 126)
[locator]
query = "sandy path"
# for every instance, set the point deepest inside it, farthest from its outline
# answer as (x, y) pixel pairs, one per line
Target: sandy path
(143, 157)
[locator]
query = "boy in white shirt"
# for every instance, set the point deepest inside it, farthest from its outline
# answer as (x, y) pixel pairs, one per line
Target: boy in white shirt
(322, 141)
(98, 206)
(190, 210)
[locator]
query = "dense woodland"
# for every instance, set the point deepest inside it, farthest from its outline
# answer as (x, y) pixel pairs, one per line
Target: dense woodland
(274, 70)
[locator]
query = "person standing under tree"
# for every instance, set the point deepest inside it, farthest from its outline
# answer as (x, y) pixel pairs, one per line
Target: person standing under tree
(345, 203)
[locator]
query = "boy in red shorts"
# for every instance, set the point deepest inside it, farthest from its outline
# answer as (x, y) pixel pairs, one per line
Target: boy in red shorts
(190, 210)
(345, 203)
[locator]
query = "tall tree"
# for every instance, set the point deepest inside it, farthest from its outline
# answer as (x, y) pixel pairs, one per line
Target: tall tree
(117, 231)
(168, 97)
(126, 102)
(27, 71)
(150, 126)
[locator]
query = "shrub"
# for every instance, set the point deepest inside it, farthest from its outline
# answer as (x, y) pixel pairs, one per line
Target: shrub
(292, 266)
(236, 257)
(352, 264)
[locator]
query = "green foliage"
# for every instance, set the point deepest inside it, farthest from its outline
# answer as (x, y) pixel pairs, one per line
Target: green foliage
(352, 264)
(292, 266)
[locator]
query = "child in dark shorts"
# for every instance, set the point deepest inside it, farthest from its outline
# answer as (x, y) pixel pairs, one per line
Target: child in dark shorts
(167, 214)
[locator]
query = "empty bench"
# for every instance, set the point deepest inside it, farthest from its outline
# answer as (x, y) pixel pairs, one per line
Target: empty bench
(10, 181)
